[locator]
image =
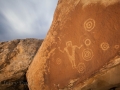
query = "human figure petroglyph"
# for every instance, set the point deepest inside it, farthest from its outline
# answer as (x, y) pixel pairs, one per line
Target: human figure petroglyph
(72, 55)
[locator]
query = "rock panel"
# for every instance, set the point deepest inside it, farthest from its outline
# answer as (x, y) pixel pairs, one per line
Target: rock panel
(83, 37)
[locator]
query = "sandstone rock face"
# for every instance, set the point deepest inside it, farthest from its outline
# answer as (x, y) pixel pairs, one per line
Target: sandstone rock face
(83, 37)
(108, 78)
(15, 57)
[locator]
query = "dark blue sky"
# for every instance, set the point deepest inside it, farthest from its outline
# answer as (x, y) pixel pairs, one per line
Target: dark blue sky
(21, 19)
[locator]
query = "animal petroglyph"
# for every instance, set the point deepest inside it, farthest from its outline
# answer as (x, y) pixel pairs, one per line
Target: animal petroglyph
(89, 24)
(71, 56)
(87, 54)
(104, 46)
(81, 67)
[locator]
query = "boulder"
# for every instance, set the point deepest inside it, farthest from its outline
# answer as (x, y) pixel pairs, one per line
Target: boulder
(84, 36)
(108, 78)
(15, 58)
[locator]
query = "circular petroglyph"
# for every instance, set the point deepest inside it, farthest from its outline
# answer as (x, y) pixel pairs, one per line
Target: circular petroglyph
(58, 61)
(104, 46)
(81, 67)
(116, 46)
(89, 24)
(87, 54)
(69, 44)
(87, 42)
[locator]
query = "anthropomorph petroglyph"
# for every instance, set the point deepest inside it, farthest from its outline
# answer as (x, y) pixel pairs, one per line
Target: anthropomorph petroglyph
(70, 56)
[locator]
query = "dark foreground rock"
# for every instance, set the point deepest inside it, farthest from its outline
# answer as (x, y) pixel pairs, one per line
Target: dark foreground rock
(15, 57)
(84, 36)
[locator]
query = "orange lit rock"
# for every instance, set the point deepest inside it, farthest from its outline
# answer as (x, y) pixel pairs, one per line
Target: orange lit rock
(15, 58)
(83, 37)
(108, 78)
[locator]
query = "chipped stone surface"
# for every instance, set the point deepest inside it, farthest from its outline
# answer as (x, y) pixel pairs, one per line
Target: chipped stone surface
(83, 37)
(15, 57)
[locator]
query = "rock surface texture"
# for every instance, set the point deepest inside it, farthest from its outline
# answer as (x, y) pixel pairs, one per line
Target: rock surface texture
(15, 57)
(84, 36)
(108, 78)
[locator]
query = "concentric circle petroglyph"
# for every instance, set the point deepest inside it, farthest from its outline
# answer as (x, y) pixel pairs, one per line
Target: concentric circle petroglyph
(81, 67)
(58, 61)
(87, 42)
(89, 24)
(69, 43)
(116, 46)
(104, 46)
(87, 54)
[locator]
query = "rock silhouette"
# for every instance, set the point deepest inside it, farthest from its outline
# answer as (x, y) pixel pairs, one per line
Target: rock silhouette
(84, 36)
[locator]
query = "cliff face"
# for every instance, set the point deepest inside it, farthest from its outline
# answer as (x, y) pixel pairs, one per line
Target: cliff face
(15, 57)
(84, 36)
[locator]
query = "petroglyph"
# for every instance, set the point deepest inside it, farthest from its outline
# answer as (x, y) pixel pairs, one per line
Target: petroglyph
(104, 46)
(81, 67)
(51, 52)
(89, 24)
(116, 46)
(72, 56)
(76, 26)
(87, 54)
(87, 42)
(58, 61)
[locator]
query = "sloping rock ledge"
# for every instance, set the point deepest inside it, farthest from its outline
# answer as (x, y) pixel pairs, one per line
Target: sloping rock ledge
(108, 78)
